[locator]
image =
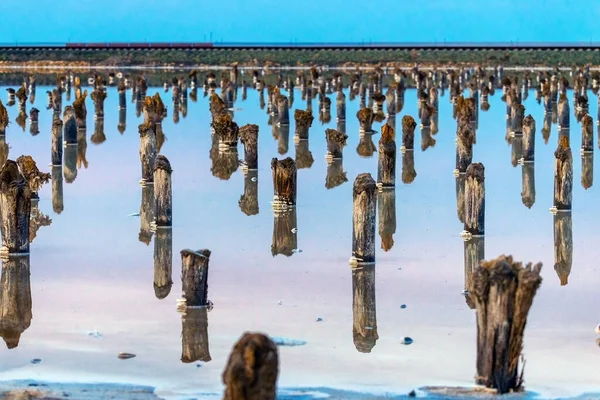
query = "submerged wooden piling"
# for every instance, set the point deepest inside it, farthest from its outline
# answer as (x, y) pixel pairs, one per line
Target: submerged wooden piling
(363, 219)
(147, 151)
(563, 246)
(304, 121)
(475, 199)
(563, 176)
(386, 169)
(163, 263)
(284, 182)
(587, 134)
(15, 209)
(364, 308)
(163, 193)
(249, 138)
(336, 141)
(408, 132)
(504, 292)
(194, 277)
(252, 369)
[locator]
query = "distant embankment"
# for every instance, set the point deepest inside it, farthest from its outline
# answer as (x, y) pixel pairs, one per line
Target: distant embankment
(208, 53)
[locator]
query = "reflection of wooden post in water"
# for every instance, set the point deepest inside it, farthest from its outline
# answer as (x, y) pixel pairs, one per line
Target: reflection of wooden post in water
(146, 214)
(70, 125)
(249, 138)
(98, 96)
(386, 170)
(285, 236)
(147, 151)
(57, 189)
(283, 113)
(81, 148)
(563, 246)
(163, 193)
(98, 137)
(504, 291)
(364, 309)
(34, 177)
(363, 219)
(304, 121)
(474, 254)
(304, 157)
(408, 132)
(335, 174)
(34, 128)
(224, 159)
(15, 299)
(70, 163)
(528, 184)
(3, 150)
(163, 262)
(475, 199)
(249, 200)
(546, 127)
(283, 138)
(516, 152)
(252, 368)
(194, 277)
(460, 196)
(587, 134)
(341, 106)
(587, 170)
(57, 141)
(80, 110)
(335, 143)
(22, 97)
(386, 200)
(563, 176)
(225, 129)
(15, 209)
(194, 335)
(365, 118)
(366, 148)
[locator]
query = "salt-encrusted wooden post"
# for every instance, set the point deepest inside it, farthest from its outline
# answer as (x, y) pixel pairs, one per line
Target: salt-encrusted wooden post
(563, 246)
(285, 235)
(563, 116)
(194, 277)
(528, 139)
(70, 125)
(304, 121)
(146, 214)
(386, 207)
(464, 147)
(163, 193)
(504, 292)
(249, 138)
(57, 141)
(15, 297)
(364, 308)
(147, 151)
(474, 254)
(304, 157)
(163, 263)
(365, 118)
(386, 169)
(335, 174)
(587, 134)
(408, 132)
(528, 184)
(283, 112)
(15, 209)
(249, 200)
(336, 142)
(252, 369)
(363, 219)
(475, 199)
(563, 176)
(194, 335)
(340, 104)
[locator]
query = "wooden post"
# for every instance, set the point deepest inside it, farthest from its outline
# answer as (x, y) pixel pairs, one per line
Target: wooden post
(147, 151)
(15, 298)
(386, 200)
(528, 139)
(587, 170)
(366, 148)
(249, 138)
(335, 143)
(163, 193)
(194, 277)
(252, 369)
(386, 171)
(408, 132)
(335, 174)
(163, 263)
(283, 112)
(57, 189)
(284, 182)
(146, 214)
(304, 157)
(504, 292)
(464, 147)
(304, 121)
(15, 209)
(34, 177)
(475, 199)
(364, 308)
(194, 336)
(587, 134)
(563, 176)
(249, 200)
(285, 236)
(363, 219)
(474, 254)
(225, 129)
(70, 125)
(528, 184)
(365, 118)
(340, 106)
(563, 246)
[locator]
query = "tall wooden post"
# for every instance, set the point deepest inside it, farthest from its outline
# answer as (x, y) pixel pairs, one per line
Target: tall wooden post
(163, 193)
(363, 219)
(364, 308)
(475, 200)
(194, 277)
(15, 209)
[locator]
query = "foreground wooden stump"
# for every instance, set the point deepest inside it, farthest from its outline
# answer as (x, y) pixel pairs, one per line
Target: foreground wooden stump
(15, 210)
(252, 369)
(194, 277)
(504, 292)
(363, 219)
(364, 309)
(15, 299)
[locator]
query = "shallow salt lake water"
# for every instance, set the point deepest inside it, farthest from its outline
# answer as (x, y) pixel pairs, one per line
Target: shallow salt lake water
(90, 272)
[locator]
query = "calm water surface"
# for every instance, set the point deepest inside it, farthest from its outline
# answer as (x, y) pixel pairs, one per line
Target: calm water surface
(90, 272)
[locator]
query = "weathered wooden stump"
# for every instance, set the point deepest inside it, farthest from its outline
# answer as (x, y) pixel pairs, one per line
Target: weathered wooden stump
(475, 199)
(194, 277)
(363, 219)
(364, 308)
(217, 106)
(249, 138)
(285, 236)
(163, 193)
(563, 176)
(528, 184)
(386, 204)
(147, 151)
(249, 200)
(304, 157)
(504, 292)
(587, 134)
(587, 170)
(15, 299)
(225, 129)
(34, 177)
(146, 214)
(340, 106)
(365, 118)
(563, 246)
(252, 369)
(154, 109)
(15, 209)
(408, 132)
(284, 182)
(336, 142)
(304, 121)
(163, 263)
(386, 169)
(57, 189)
(465, 137)
(474, 254)
(70, 126)
(194, 336)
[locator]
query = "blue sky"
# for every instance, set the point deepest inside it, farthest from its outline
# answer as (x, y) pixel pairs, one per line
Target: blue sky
(315, 21)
